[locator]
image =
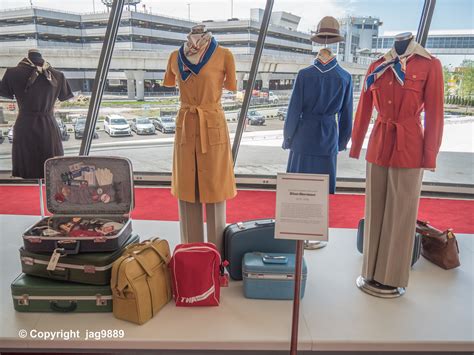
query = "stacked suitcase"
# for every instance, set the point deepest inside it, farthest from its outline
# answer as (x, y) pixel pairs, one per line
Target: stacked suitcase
(67, 258)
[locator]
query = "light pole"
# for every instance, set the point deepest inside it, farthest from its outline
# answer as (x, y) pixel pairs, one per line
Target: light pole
(231, 8)
(93, 6)
(189, 11)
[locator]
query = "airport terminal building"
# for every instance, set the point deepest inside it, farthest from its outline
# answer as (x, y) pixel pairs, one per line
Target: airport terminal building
(72, 43)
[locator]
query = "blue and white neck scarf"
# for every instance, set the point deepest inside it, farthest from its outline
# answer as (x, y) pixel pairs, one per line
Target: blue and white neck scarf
(325, 67)
(186, 68)
(398, 66)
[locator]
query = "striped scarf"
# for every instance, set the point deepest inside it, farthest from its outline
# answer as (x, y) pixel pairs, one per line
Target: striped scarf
(398, 66)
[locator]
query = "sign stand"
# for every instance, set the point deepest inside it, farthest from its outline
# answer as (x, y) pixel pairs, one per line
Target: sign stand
(296, 297)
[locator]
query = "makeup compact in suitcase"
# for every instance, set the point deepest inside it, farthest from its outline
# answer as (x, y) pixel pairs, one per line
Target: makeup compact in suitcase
(256, 235)
(35, 294)
(90, 199)
(271, 276)
(87, 268)
(360, 242)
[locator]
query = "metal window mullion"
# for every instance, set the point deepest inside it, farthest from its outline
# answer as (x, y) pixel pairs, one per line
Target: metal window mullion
(251, 80)
(425, 22)
(101, 75)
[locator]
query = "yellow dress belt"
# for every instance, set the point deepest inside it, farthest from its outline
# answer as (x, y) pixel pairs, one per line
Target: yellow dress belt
(199, 109)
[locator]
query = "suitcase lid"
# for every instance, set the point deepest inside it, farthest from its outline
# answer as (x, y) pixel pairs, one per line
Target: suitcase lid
(85, 185)
(253, 262)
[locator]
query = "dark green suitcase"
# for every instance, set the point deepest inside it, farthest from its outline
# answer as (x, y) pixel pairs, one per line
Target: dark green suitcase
(36, 294)
(87, 268)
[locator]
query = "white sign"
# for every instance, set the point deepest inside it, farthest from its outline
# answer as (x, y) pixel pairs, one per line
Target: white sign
(302, 204)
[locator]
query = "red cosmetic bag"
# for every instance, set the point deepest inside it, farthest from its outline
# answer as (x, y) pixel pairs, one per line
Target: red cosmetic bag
(196, 270)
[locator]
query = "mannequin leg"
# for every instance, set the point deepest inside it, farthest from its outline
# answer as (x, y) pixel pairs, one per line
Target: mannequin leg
(191, 222)
(375, 197)
(398, 228)
(216, 218)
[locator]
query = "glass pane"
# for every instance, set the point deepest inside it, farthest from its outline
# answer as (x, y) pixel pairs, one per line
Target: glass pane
(377, 22)
(455, 160)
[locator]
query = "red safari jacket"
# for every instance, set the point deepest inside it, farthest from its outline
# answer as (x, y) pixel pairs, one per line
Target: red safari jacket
(398, 138)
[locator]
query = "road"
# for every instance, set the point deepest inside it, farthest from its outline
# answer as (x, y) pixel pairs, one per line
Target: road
(261, 153)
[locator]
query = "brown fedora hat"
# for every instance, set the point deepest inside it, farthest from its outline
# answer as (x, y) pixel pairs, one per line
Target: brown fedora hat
(327, 31)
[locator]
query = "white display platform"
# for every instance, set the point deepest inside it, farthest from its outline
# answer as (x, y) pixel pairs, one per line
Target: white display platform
(436, 313)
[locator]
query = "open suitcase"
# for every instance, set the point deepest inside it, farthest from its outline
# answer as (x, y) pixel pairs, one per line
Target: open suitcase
(271, 276)
(90, 199)
(36, 294)
(87, 268)
(256, 235)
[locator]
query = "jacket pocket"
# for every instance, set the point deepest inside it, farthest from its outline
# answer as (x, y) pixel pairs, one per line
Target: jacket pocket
(216, 131)
(415, 81)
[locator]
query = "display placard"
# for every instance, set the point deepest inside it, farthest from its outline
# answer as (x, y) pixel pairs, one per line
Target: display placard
(302, 204)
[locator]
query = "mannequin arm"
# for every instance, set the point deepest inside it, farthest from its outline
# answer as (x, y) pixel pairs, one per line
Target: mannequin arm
(434, 115)
(294, 112)
(362, 118)
(345, 118)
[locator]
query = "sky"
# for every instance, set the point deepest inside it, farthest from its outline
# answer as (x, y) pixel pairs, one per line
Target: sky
(400, 15)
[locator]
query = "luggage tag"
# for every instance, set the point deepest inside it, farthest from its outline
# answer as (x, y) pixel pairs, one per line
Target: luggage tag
(54, 260)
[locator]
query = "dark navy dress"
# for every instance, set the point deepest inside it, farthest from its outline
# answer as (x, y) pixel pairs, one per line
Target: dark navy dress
(36, 134)
(319, 120)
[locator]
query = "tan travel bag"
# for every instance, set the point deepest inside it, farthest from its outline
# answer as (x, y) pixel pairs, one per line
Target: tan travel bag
(140, 281)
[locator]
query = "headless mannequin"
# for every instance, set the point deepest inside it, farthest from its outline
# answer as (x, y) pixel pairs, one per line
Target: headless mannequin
(191, 213)
(402, 40)
(35, 56)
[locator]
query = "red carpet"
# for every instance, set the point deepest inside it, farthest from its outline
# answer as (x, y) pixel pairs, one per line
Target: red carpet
(345, 210)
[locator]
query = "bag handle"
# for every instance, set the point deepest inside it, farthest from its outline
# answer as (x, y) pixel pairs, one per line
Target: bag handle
(57, 308)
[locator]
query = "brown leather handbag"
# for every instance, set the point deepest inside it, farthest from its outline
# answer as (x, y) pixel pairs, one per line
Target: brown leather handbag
(441, 248)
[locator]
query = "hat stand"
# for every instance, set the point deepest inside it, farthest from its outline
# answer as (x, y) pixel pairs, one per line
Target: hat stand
(377, 289)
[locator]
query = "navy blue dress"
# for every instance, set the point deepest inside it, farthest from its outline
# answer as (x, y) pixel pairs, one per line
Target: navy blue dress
(319, 120)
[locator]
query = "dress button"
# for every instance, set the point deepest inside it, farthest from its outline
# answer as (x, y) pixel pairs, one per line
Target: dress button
(389, 101)
(414, 76)
(390, 83)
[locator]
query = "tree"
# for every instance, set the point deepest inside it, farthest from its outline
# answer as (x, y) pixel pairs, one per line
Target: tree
(446, 77)
(467, 78)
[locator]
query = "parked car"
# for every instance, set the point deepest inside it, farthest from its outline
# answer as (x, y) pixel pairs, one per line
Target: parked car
(10, 134)
(63, 129)
(2, 138)
(116, 125)
(255, 118)
(273, 98)
(79, 128)
(281, 113)
(165, 124)
(143, 125)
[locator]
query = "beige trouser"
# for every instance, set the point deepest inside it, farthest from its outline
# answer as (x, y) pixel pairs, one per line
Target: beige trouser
(391, 209)
(192, 222)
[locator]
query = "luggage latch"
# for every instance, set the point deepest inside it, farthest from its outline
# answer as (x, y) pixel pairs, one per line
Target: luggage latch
(89, 269)
(35, 240)
(24, 300)
(100, 301)
(240, 225)
(100, 240)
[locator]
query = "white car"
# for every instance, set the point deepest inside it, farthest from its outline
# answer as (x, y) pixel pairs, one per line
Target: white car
(116, 125)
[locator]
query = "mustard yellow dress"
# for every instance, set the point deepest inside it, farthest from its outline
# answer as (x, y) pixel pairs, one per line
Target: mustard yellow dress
(202, 161)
